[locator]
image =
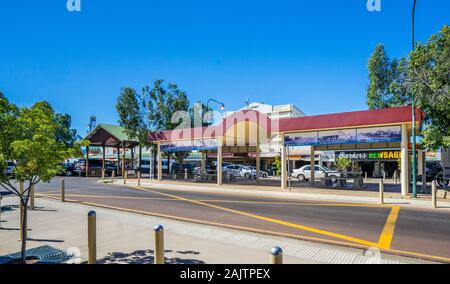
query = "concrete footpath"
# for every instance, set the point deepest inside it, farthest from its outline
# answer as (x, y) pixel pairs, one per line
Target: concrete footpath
(303, 193)
(128, 238)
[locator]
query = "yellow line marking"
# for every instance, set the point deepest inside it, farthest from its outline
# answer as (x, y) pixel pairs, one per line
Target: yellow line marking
(271, 220)
(389, 228)
(298, 237)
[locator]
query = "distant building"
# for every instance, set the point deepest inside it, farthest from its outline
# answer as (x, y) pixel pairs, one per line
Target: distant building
(273, 111)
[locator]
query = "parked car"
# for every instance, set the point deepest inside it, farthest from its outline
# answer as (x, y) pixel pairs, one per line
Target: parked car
(304, 173)
(80, 167)
(232, 169)
(67, 169)
(10, 168)
(250, 173)
(434, 171)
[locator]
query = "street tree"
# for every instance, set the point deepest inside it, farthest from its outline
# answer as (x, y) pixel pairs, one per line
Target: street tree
(424, 74)
(37, 140)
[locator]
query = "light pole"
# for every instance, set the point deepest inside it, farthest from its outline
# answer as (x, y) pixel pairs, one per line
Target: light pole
(413, 105)
(222, 106)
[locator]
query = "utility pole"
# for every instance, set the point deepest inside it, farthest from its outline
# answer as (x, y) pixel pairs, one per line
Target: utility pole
(413, 105)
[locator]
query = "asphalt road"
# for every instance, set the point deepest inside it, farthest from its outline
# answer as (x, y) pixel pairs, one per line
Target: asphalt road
(415, 232)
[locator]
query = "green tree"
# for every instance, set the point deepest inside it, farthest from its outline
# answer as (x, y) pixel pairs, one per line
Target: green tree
(132, 116)
(343, 163)
(31, 138)
(424, 73)
(429, 76)
(386, 80)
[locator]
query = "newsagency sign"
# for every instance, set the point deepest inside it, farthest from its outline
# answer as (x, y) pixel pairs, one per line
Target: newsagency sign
(364, 156)
(345, 136)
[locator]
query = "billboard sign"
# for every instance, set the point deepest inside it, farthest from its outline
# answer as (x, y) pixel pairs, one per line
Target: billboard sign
(380, 134)
(343, 136)
(189, 145)
(301, 139)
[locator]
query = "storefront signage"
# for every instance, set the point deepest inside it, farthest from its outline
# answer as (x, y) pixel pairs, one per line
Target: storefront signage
(345, 136)
(189, 145)
(388, 155)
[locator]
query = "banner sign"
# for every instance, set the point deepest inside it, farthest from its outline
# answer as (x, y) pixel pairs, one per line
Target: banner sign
(364, 156)
(189, 145)
(380, 134)
(345, 136)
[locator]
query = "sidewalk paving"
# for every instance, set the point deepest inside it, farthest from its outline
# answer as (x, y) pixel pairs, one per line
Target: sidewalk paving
(128, 238)
(303, 193)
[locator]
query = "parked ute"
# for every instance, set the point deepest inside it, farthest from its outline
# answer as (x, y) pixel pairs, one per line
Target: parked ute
(304, 173)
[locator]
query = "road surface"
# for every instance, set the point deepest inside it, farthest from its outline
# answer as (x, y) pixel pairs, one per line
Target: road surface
(407, 231)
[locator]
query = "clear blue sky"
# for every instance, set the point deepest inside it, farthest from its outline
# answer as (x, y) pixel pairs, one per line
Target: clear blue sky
(310, 53)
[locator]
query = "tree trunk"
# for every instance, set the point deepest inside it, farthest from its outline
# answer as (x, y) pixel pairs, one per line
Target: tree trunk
(23, 259)
(168, 164)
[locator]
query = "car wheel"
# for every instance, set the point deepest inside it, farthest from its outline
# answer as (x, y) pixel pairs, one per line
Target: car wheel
(247, 176)
(333, 178)
(440, 181)
(265, 176)
(301, 177)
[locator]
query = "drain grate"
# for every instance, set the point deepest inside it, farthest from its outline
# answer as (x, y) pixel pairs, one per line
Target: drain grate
(44, 254)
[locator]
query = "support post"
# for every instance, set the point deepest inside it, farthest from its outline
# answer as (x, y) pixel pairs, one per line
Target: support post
(219, 162)
(276, 255)
(63, 190)
(404, 161)
(381, 192)
(258, 162)
(125, 177)
(123, 160)
(140, 165)
(118, 160)
(185, 174)
(139, 178)
(159, 162)
(313, 163)
(92, 237)
(283, 164)
(434, 194)
(87, 161)
(103, 162)
(365, 177)
(112, 176)
(159, 245)
(1, 210)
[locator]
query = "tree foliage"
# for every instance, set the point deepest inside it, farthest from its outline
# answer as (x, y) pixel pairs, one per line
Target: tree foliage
(423, 75)
(37, 140)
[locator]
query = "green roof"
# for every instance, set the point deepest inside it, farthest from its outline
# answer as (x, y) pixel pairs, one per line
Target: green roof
(109, 135)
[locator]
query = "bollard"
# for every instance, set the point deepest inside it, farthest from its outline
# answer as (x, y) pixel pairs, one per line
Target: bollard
(381, 192)
(32, 197)
(125, 176)
(63, 191)
(434, 194)
(103, 175)
(112, 176)
(139, 178)
(185, 174)
(384, 176)
(276, 255)
(365, 177)
(92, 237)
(159, 244)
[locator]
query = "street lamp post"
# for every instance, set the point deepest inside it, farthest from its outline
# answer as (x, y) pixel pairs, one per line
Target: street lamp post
(414, 163)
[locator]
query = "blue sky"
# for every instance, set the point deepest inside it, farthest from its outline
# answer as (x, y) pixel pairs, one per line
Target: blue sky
(310, 53)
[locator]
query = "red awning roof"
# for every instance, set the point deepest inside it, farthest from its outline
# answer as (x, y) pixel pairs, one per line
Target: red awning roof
(365, 118)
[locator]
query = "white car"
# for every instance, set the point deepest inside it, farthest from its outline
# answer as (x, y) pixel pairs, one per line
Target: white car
(304, 173)
(250, 173)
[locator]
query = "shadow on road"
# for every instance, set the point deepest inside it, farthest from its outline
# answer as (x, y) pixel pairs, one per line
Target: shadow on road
(146, 257)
